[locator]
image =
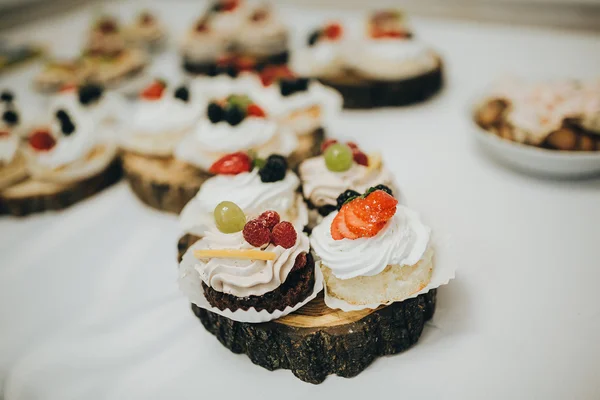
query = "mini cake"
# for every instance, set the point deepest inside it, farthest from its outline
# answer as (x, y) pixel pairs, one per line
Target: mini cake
(254, 185)
(373, 250)
(382, 65)
(342, 169)
(248, 264)
(552, 115)
(66, 161)
(146, 32)
(57, 74)
(161, 118)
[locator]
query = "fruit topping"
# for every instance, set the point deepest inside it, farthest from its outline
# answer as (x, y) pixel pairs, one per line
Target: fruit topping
(338, 157)
(182, 93)
(4, 134)
(269, 219)
(41, 140)
(274, 169)
(387, 24)
(289, 86)
(229, 217)
(380, 187)
(346, 197)
(327, 143)
(66, 124)
(256, 233)
(89, 93)
(233, 114)
(364, 216)
(237, 254)
(201, 26)
(225, 5)
(10, 117)
(333, 31)
(360, 158)
(215, 112)
(7, 96)
(239, 100)
(272, 73)
(313, 38)
(254, 110)
(232, 164)
(154, 91)
(244, 63)
(284, 235)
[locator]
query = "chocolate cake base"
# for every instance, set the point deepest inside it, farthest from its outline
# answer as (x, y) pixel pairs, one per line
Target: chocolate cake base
(212, 69)
(316, 341)
(361, 93)
(30, 196)
(165, 184)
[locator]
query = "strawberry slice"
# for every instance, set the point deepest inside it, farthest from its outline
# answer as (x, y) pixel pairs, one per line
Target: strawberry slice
(232, 164)
(154, 91)
(360, 227)
(339, 229)
(336, 234)
(254, 110)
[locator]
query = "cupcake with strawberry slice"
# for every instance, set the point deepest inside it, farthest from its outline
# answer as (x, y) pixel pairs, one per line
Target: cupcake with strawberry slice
(342, 168)
(249, 264)
(373, 250)
(67, 161)
(162, 117)
(253, 184)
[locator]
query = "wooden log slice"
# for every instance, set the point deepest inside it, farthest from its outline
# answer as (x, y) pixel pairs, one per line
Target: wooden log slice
(32, 196)
(166, 184)
(317, 341)
(361, 93)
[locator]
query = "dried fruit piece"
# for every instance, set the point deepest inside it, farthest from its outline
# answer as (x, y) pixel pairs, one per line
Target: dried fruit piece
(256, 233)
(232, 164)
(284, 235)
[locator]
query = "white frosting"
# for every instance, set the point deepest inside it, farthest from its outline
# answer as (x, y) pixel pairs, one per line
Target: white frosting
(322, 186)
(325, 58)
(250, 194)
(243, 278)
(293, 110)
(8, 148)
(109, 109)
(212, 141)
(402, 241)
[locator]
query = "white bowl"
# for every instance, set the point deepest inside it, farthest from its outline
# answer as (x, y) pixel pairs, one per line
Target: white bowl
(535, 160)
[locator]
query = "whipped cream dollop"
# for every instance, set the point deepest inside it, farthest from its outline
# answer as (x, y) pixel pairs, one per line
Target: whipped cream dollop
(324, 59)
(9, 144)
(305, 111)
(403, 241)
(322, 186)
(251, 194)
(157, 126)
(109, 109)
(242, 278)
(211, 141)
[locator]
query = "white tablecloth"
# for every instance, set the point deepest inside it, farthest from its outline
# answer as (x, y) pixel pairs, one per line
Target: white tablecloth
(89, 306)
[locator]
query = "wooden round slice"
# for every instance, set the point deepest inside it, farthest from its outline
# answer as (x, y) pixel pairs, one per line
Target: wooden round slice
(317, 341)
(31, 196)
(359, 93)
(166, 184)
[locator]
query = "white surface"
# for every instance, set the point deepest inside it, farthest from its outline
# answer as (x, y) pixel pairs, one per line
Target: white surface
(89, 307)
(537, 161)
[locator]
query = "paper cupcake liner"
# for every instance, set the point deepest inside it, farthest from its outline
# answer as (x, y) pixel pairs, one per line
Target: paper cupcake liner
(191, 285)
(442, 275)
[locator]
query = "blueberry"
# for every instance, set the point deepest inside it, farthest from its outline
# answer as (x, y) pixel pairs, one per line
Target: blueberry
(67, 127)
(286, 87)
(314, 37)
(345, 197)
(7, 96)
(62, 115)
(10, 117)
(274, 169)
(213, 70)
(302, 84)
(182, 93)
(90, 93)
(234, 115)
(215, 113)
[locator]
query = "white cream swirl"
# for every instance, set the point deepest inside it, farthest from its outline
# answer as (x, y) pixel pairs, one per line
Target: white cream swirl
(251, 194)
(9, 144)
(108, 109)
(402, 241)
(322, 186)
(391, 58)
(325, 58)
(242, 278)
(212, 141)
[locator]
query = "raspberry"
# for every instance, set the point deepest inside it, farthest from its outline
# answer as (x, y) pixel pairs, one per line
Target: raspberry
(41, 140)
(333, 31)
(300, 262)
(256, 233)
(284, 235)
(269, 218)
(352, 145)
(232, 164)
(360, 158)
(327, 143)
(254, 110)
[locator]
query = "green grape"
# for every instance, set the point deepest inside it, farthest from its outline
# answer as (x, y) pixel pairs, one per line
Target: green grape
(239, 100)
(229, 217)
(338, 157)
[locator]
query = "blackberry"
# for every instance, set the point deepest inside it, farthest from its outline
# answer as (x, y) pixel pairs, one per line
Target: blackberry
(10, 117)
(67, 127)
(314, 37)
(345, 197)
(182, 93)
(7, 96)
(288, 87)
(302, 84)
(215, 113)
(89, 93)
(274, 169)
(234, 115)
(378, 187)
(213, 70)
